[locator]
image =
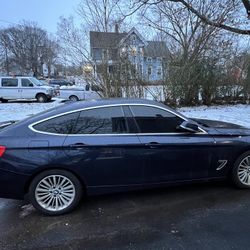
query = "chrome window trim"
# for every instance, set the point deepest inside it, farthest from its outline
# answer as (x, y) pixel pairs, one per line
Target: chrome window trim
(202, 131)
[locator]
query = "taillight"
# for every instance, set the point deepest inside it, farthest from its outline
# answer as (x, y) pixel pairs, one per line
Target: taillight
(2, 150)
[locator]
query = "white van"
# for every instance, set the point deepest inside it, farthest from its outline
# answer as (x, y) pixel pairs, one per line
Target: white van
(12, 88)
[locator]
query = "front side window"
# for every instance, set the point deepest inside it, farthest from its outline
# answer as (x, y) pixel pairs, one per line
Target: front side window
(26, 83)
(155, 120)
(108, 120)
(59, 125)
(9, 82)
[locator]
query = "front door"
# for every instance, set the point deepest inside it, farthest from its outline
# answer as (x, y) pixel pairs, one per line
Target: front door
(27, 89)
(170, 154)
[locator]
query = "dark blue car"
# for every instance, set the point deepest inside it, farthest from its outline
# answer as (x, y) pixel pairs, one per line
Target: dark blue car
(115, 145)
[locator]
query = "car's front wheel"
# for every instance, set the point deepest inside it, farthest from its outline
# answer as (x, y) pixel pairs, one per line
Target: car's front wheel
(73, 98)
(55, 192)
(41, 98)
(241, 171)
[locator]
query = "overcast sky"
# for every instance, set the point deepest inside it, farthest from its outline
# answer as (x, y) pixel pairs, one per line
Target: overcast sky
(44, 12)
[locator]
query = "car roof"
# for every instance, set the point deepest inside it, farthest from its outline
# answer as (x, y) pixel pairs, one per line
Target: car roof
(74, 106)
(111, 101)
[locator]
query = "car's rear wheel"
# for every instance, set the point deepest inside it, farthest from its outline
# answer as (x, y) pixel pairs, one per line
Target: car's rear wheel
(241, 171)
(55, 192)
(73, 98)
(41, 98)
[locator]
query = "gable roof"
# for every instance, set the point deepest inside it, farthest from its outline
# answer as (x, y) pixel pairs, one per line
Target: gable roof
(114, 39)
(105, 39)
(135, 31)
(156, 49)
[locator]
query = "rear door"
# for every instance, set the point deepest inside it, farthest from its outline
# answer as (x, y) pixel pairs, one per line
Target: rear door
(103, 149)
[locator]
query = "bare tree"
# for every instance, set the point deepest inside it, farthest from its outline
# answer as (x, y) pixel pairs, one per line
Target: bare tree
(27, 45)
(101, 15)
(74, 42)
(221, 21)
(192, 43)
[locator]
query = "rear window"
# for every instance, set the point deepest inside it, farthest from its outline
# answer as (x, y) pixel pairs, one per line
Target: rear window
(58, 125)
(9, 82)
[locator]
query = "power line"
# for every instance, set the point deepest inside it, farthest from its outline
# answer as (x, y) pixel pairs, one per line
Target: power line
(5, 21)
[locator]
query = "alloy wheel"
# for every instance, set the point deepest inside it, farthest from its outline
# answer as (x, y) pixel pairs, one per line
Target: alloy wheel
(244, 171)
(55, 192)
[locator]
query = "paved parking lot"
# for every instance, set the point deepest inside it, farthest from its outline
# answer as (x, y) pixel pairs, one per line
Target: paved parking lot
(203, 216)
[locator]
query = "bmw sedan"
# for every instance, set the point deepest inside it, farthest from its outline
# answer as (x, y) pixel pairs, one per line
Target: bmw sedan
(116, 145)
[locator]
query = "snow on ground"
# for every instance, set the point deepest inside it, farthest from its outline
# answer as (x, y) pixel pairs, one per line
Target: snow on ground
(239, 114)
(22, 109)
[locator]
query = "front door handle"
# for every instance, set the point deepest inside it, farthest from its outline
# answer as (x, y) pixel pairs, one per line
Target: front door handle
(77, 145)
(153, 144)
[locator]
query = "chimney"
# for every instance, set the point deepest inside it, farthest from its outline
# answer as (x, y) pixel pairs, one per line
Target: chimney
(116, 28)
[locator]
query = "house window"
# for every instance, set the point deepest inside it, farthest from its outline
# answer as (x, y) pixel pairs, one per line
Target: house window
(159, 71)
(149, 71)
(149, 59)
(111, 69)
(133, 51)
(133, 38)
(140, 69)
(104, 54)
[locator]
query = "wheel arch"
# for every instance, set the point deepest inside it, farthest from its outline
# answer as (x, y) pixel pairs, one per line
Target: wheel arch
(55, 167)
(40, 93)
(77, 97)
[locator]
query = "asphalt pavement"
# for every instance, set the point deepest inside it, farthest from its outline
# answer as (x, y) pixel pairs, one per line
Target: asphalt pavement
(204, 216)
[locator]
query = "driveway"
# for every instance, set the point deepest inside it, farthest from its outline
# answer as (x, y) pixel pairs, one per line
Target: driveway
(204, 216)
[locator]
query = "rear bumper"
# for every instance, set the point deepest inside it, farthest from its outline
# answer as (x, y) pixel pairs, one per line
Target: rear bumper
(12, 185)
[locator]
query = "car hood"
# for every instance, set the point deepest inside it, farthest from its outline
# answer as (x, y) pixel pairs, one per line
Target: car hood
(225, 128)
(46, 87)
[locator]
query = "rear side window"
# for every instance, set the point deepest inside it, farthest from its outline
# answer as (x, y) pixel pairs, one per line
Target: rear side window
(59, 125)
(108, 120)
(155, 120)
(9, 82)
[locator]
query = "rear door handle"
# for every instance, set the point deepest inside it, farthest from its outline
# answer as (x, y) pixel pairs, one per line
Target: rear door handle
(153, 144)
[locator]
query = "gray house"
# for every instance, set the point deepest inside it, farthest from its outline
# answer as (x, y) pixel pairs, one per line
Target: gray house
(148, 58)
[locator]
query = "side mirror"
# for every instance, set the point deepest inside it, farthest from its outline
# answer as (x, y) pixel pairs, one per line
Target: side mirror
(87, 87)
(191, 127)
(31, 85)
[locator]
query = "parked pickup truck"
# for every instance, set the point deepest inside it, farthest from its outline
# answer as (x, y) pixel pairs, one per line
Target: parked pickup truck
(76, 93)
(12, 88)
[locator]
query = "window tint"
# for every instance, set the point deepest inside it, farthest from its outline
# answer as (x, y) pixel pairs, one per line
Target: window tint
(155, 120)
(9, 82)
(26, 83)
(108, 120)
(60, 125)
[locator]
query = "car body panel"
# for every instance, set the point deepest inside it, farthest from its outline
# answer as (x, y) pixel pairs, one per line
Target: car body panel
(117, 162)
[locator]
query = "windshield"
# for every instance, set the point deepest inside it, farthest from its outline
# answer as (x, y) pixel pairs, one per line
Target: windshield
(36, 82)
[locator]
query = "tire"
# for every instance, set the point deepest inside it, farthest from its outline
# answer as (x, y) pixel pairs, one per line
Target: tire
(41, 98)
(55, 200)
(4, 100)
(73, 98)
(241, 171)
